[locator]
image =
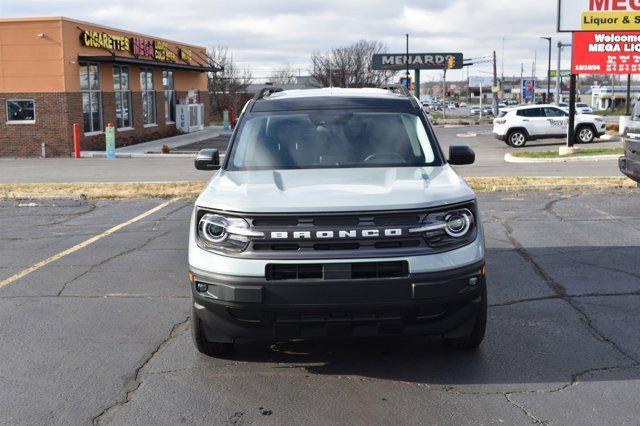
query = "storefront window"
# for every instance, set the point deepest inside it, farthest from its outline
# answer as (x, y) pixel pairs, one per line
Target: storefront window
(123, 96)
(21, 111)
(169, 96)
(91, 97)
(148, 96)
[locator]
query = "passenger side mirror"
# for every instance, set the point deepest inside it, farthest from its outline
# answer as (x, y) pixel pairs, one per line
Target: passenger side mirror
(208, 159)
(461, 154)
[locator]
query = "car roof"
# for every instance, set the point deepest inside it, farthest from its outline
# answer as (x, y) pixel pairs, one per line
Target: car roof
(335, 98)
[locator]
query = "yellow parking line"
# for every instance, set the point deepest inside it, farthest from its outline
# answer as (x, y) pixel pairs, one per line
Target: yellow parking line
(83, 244)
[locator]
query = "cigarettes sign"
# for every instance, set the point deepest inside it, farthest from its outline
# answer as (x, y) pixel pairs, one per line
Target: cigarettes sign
(417, 61)
(606, 53)
(598, 15)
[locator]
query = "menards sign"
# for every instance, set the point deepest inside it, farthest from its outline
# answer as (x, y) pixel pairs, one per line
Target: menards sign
(138, 46)
(598, 15)
(417, 61)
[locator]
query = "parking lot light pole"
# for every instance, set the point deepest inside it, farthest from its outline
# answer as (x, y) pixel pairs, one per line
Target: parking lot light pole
(548, 71)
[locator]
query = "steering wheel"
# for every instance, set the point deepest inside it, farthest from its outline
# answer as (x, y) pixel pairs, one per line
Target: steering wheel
(385, 154)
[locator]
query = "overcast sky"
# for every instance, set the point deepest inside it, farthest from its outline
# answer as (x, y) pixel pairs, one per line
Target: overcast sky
(264, 34)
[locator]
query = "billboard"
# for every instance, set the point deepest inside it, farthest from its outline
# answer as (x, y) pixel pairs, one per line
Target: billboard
(606, 53)
(598, 15)
(417, 61)
(528, 90)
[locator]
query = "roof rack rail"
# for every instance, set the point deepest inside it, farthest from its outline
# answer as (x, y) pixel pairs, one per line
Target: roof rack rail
(266, 91)
(402, 89)
(396, 88)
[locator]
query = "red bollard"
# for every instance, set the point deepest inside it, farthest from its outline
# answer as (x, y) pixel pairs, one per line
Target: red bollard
(232, 119)
(76, 140)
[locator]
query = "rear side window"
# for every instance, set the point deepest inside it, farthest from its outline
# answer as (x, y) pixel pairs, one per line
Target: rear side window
(530, 112)
(554, 112)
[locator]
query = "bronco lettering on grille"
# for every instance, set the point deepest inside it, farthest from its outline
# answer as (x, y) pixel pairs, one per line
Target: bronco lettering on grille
(350, 233)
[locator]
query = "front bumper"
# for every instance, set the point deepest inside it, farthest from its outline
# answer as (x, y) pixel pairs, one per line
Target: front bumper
(249, 308)
(630, 167)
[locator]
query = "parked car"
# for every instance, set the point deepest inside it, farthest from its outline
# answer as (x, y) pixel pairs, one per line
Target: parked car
(582, 108)
(463, 104)
(510, 102)
(487, 110)
(474, 110)
(516, 126)
(292, 239)
(629, 163)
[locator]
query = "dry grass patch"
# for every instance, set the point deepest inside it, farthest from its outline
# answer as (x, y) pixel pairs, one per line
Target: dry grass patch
(100, 190)
(488, 184)
(192, 189)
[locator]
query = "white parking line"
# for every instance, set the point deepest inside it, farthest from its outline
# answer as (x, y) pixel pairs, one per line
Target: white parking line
(83, 244)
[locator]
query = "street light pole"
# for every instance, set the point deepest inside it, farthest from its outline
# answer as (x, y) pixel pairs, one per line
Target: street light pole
(548, 71)
(407, 61)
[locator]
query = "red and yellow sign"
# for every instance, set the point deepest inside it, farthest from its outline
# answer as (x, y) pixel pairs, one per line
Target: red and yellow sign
(138, 46)
(606, 52)
(104, 40)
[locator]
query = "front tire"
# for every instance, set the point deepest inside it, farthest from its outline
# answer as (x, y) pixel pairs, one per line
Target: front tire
(479, 328)
(585, 134)
(212, 349)
(517, 139)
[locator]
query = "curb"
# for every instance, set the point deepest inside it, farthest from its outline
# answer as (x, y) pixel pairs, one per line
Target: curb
(511, 159)
(90, 154)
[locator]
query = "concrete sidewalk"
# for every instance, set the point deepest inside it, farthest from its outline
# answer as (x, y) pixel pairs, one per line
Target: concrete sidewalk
(154, 148)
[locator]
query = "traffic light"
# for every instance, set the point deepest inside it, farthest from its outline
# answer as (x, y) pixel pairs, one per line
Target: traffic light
(447, 94)
(451, 62)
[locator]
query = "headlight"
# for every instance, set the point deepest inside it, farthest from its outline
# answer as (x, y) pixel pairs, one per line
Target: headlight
(224, 234)
(447, 228)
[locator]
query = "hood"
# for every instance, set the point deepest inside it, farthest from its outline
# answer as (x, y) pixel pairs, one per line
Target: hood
(349, 189)
(589, 117)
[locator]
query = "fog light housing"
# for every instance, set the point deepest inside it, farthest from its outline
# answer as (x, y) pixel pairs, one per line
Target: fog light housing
(473, 281)
(201, 287)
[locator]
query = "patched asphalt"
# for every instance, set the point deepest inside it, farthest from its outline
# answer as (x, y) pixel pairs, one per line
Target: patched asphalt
(102, 335)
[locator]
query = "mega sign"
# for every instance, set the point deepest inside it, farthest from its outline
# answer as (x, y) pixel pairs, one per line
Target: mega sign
(138, 46)
(417, 61)
(606, 53)
(598, 15)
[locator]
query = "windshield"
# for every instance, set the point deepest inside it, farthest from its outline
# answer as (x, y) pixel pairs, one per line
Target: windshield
(331, 139)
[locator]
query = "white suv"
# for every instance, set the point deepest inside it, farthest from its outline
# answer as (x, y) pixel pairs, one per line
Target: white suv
(516, 126)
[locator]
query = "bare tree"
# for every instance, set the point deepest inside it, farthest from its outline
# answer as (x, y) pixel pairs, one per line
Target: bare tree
(350, 66)
(283, 75)
(227, 88)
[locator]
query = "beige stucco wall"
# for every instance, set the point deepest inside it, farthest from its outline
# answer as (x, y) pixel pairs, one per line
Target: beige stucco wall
(29, 63)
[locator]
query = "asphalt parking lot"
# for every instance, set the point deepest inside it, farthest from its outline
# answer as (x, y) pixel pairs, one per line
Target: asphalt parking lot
(101, 334)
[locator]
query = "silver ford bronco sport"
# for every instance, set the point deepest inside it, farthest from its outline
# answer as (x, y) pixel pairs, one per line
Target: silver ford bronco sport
(335, 213)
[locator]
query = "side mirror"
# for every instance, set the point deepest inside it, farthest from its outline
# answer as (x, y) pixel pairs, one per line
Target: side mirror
(208, 159)
(461, 154)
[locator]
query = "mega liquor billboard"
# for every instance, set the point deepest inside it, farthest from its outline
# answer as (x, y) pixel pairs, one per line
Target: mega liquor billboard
(598, 15)
(605, 52)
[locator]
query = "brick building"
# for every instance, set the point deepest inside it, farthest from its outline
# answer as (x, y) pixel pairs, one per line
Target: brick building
(57, 71)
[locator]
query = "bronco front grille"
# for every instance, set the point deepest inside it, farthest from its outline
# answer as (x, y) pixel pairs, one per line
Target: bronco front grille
(337, 271)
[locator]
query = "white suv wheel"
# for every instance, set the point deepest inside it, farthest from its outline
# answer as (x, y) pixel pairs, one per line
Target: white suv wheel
(517, 139)
(585, 135)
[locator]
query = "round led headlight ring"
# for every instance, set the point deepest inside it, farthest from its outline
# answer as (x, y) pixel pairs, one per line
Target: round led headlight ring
(457, 224)
(213, 228)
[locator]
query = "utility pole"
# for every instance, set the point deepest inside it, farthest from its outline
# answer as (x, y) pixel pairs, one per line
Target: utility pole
(407, 61)
(628, 94)
(548, 72)
(495, 85)
(444, 91)
(558, 76)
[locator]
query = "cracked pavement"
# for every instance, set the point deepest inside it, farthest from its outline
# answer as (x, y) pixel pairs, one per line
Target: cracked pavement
(102, 335)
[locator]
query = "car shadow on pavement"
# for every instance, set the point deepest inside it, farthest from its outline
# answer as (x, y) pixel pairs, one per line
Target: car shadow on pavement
(543, 327)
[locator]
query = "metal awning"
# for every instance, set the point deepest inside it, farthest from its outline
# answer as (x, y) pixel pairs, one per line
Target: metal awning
(145, 62)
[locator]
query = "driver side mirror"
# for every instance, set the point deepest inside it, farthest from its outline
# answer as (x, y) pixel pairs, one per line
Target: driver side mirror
(208, 159)
(461, 154)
